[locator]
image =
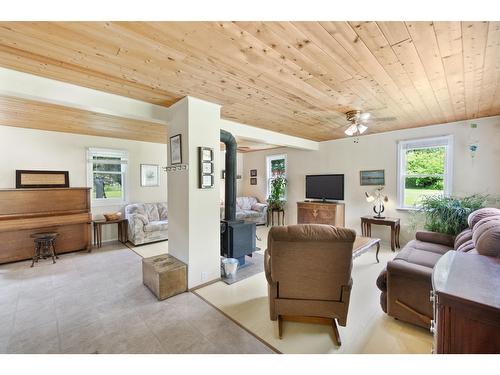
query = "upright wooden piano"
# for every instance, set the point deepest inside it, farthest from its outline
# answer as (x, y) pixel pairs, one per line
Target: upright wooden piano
(27, 211)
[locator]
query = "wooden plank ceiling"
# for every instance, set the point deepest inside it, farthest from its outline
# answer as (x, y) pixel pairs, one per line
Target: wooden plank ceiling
(24, 113)
(297, 78)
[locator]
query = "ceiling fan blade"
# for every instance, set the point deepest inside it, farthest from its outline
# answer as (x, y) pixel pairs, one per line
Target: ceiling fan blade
(383, 119)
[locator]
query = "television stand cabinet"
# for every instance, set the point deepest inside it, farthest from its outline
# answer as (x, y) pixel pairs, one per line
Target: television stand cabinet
(331, 213)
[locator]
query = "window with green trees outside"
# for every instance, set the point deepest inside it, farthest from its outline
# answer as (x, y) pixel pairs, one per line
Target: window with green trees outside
(276, 167)
(425, 169)
(107, 175)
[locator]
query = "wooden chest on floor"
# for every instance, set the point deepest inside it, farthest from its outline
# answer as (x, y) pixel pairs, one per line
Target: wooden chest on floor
(164, 275)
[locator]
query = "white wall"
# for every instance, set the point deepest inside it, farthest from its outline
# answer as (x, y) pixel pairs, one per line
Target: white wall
(194, 229)
(46, 150)
(379, 151)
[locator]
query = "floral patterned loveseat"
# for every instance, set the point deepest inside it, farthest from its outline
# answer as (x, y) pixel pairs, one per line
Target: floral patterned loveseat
(147, 222)
(249, 209)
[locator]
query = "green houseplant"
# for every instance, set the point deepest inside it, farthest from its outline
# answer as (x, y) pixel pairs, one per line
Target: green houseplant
(449, 214)
(276, 199)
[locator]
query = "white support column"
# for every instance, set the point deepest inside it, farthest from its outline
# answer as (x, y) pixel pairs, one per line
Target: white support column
(194, 214)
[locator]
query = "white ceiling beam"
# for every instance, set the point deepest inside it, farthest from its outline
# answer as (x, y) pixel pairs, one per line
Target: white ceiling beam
(32, 87)
(260, 135)
(29, 86)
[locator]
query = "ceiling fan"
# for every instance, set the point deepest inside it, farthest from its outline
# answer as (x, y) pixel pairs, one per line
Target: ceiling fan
(359, 119)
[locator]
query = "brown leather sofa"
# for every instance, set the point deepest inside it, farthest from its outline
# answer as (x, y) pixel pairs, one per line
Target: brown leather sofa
(406, 281)
(308, 269)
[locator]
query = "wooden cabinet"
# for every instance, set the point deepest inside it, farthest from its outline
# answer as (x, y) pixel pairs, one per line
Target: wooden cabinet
(24, 212)
(466, 304)
(321, 213)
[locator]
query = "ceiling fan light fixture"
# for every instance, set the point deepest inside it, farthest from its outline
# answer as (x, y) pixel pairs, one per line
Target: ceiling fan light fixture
(362, 128)
(351, 130)
(356, 118)
(364, 116)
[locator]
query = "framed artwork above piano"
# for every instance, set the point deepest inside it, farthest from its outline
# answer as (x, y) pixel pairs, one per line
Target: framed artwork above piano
(26, 179)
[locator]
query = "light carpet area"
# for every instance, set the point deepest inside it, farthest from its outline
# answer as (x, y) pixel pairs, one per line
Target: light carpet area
(150, 249)
(368, 329)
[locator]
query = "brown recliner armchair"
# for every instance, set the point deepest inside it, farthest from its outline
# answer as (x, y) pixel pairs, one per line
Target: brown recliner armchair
(308, 269)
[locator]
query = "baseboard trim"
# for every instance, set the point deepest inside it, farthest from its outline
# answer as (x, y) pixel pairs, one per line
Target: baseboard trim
(205, 284)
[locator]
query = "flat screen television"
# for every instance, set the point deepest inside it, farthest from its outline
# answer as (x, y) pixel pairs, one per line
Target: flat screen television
(325, 186)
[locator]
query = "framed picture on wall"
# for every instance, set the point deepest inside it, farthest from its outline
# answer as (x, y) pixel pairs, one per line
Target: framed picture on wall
(150, 175)
(207, 182)
(206, 168)
(373, 177)
(253, 181)
(206, 154)
(175, 149)
(253, 172)
(26, 179)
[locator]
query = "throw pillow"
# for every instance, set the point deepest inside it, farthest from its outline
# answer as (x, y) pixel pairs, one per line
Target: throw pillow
(486, 237)
(463, 237)
(466, 246)
(477, 215)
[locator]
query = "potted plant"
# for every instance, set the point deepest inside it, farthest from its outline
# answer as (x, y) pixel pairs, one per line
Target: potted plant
(276, 199)
(448, 214)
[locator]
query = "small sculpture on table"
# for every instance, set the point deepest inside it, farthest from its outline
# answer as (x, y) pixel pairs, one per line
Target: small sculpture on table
(379, 200)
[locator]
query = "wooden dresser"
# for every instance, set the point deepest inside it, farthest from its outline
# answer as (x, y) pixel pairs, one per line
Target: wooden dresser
(27, 211)
(321, 213)
(466, 298)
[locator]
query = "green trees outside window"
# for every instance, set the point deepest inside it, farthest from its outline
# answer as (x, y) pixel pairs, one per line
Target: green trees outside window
(425, 172)
(277, 181)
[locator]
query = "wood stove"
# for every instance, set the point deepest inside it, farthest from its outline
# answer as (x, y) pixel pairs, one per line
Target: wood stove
(237, 236)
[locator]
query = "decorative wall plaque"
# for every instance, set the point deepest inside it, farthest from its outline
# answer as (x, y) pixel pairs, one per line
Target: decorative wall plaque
(206, 167)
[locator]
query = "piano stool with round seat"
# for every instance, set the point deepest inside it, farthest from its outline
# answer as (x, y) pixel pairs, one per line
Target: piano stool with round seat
(44, 246)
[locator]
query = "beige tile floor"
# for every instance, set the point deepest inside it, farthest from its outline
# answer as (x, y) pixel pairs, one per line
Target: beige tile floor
(368, 330)
(96, 303)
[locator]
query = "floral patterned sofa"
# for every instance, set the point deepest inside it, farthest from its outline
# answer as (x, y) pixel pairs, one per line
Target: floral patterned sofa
(249, 209)
(147, 222)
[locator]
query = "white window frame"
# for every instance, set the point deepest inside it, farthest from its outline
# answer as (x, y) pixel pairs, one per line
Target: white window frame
(123, 155)
(269, 173)
(403, 146)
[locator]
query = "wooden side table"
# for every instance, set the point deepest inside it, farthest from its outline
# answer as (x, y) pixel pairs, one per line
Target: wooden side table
(122, 230)
(270, 216)
(394, 223)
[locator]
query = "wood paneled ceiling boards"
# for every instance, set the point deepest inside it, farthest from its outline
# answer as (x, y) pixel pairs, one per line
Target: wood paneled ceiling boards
(297, 78)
